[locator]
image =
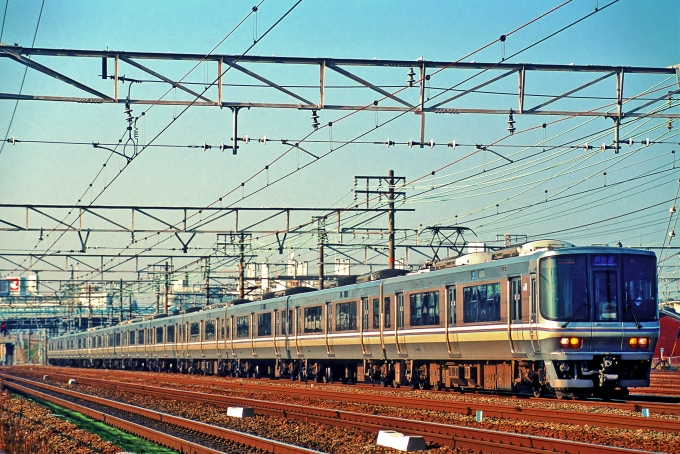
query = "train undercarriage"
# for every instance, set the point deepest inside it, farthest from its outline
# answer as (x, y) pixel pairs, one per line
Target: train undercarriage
(606, 376)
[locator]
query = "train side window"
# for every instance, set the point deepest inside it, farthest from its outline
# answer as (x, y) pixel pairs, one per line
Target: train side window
(313, 319)
(346, 316)
(376, 313)
(170, 334)
(194, 332)
(264, 324)
(424, 308)
(482, 303)
(287, 323)
(209, 330)
(242, 327)
(132, 338)
(140, 337)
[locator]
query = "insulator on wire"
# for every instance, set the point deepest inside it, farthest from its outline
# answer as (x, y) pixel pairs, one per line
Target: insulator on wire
(410, 143)
(646, 142)
(315, 120)
(671, 233)
(410, 75)
(630, 142)
(263, 140)
(206, 146)
(452, 144)
(603, 147)
(587, 147)
(672, 209)
(431, 143)
(389, 143)
(511, 123)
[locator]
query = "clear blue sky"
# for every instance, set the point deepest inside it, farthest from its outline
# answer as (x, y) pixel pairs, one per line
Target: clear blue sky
(630, 33)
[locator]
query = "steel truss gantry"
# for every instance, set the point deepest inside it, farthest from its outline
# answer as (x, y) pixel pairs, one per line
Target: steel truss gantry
(390, 100)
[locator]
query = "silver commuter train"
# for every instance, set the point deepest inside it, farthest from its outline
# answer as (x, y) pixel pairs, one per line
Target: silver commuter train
(546, 317)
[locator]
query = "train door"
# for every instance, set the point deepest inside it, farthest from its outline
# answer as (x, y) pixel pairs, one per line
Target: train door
(607, 324)
(515, 331)
(399, 320)
(533, 316)
(450, 323)
(328, 311)
(275, 331)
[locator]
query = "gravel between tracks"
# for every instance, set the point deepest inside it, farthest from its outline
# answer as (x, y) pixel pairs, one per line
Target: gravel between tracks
(330, 439)
(30, 428)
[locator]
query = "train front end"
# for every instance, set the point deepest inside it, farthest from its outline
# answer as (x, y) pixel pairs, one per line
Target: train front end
(599, 319)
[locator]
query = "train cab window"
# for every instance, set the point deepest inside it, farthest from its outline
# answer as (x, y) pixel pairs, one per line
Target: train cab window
(313, 319)
(563, 288)
(346, 316)
(132, 336)
(639, 288)
(242, 327)
(159, 335)
(606, 295)
(424, 308)
(194, 332)
(170, 333)
(209, 330)
(264, 324)
(482, 303)
(140, 337)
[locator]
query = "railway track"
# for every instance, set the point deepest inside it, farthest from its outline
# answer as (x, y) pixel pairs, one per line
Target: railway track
(180, 434)
(443, 434)
(519, 412)
(665, 383)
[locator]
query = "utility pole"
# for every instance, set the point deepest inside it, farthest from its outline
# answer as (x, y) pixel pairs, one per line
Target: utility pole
(391, 195)
(165, 311)
(241, 265)
(121, 302)
(322, 240)
(207, 281)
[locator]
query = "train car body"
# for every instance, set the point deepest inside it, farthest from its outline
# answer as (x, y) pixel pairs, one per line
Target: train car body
(542, 317)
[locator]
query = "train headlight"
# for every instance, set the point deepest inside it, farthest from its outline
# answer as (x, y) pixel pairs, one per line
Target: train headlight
(571, 342)
(638, 342)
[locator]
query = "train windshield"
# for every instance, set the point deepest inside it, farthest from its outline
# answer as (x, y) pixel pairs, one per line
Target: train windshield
(639, 288)
(564, 288)
(594, 287)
